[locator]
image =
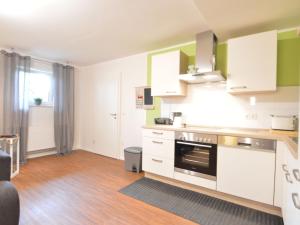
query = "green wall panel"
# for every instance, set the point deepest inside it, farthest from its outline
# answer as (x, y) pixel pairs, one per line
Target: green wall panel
(288, 64)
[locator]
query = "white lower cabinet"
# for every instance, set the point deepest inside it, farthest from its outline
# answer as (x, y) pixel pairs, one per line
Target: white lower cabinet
(281, 150)
(291, 191)
(246, 173)
(158, 165)
(159, 147)
(158, 152)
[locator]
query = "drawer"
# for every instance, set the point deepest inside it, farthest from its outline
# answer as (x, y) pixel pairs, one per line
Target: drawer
(199, 181)
(164, 134)
(157, 165)
(159, 147)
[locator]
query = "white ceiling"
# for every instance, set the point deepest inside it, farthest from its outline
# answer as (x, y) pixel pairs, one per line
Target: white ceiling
(84, 32)
(89, 31)
(232, 18)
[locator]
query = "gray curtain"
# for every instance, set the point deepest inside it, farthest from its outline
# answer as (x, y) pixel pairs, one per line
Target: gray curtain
(15, 102)
(63, 107)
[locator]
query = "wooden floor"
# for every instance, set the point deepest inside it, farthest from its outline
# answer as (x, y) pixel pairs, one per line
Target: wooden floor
(82, 188)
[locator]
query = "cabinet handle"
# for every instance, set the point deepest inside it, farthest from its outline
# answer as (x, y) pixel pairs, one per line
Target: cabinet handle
(159, 133)
(284, 168)
(238, 87)
(170, 92)
(287, 177)
(157, 142)
(296, 200)
(296, 173)
(157, 160)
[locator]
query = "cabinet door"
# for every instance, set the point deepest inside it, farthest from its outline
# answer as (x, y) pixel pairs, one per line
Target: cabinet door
(165, 74)
(246, 173)
(158, 165)
(159, 147)
(252, 62)
(291, 191)
(279, 173)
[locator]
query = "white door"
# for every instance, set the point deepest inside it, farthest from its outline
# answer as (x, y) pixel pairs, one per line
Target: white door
(107, 111)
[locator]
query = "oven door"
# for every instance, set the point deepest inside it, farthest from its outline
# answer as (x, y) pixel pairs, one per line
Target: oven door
(200, 158)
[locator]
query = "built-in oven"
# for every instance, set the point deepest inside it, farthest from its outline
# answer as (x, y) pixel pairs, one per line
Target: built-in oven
(196, 154)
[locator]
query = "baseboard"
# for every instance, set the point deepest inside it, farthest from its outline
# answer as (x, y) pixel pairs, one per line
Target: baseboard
(41, 153)
(226, 197)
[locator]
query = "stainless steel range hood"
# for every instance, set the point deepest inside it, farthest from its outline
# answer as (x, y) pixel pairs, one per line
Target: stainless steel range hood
(205, 61)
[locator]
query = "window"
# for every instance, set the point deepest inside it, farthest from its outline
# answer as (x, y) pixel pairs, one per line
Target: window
(40, 86)
(37, 84)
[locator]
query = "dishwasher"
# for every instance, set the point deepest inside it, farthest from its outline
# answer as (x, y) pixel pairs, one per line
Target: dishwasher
(246, 167)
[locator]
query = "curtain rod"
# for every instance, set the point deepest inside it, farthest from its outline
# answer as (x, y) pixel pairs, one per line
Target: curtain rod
(50, 62)
(38, 59)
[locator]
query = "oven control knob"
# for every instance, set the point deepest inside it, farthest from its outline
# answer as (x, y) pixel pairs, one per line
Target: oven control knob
(204, 140)
(200, 139)
(208, 140)
(182, 138)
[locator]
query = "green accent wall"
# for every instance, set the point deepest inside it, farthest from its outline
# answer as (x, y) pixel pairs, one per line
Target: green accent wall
(288, 64)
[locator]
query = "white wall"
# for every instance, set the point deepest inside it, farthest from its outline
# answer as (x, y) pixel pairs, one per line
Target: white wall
(133, 70)
(213, 106)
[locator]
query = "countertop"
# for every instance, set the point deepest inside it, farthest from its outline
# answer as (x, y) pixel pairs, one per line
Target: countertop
(289, 137)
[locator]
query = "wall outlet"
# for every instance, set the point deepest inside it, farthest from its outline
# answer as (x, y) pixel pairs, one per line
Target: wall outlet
(251, 116)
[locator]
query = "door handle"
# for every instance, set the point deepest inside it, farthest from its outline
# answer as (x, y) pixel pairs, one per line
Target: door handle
(157, 142)
(287, 177)
(114, 115)
(157, 160)
(238, 87)
(159, 133)
(284, 168)
(296, 200)
(192, 144)
(296, 173)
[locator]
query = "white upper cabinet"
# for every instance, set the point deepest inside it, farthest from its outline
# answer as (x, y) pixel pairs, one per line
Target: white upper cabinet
(166, 68)
(252, 62)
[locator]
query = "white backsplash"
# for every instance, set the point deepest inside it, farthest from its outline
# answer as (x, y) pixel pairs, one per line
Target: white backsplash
(212, 106)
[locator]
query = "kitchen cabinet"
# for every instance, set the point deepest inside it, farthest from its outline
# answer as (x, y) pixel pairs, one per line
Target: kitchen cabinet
(165, 72)
(252, 62)
(291, 190)
(279, 173)
(158, 152)
(246, 173)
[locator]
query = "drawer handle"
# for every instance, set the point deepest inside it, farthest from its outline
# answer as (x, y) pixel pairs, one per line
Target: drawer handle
(157, 142)
(284, 168)
(170, 92)
(159, 133)
(296, 200)
(238, 87)
(287, 177)
(157, 160)
(296, 173)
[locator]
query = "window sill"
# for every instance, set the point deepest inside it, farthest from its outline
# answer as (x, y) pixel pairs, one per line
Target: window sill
(41, 106)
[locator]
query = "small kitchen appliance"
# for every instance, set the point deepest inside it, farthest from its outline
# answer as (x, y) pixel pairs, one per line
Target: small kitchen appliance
(288, 123)
(177, 119)
(163, 121)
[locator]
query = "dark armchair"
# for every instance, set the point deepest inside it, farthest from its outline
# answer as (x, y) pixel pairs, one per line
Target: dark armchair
(9, 198)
